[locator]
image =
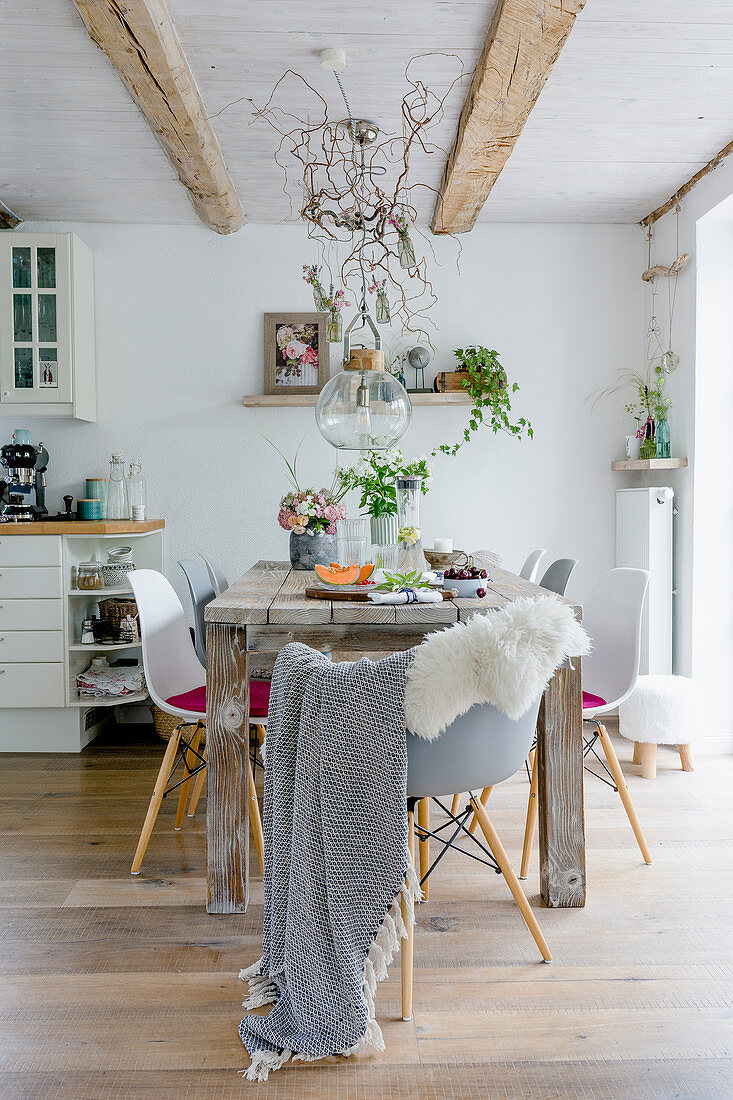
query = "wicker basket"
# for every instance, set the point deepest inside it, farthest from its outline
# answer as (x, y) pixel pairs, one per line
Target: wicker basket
(113, 611)
(165, 724)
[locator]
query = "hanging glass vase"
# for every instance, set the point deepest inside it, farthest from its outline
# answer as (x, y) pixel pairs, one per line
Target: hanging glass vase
(319, 298)
(409, 535)
(648, 447)
(382, 310)
(406, 251)
(662, 438)
(335, 327)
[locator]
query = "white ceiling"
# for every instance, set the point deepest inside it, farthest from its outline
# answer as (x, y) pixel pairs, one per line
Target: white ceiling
(641, 97)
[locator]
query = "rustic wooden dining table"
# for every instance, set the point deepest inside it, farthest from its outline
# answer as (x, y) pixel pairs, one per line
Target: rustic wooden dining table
(266, 609)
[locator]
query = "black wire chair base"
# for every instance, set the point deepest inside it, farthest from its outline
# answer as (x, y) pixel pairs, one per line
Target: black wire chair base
(589, 748)
(184, 748)
(459, 820)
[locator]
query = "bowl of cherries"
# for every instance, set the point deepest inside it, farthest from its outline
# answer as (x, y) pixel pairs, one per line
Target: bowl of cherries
(469, 579)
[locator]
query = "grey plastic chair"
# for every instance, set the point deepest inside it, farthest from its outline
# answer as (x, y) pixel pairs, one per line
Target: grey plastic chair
(557, 575)
(202, 593)
(528, 572)
(217, 576)
(480, 749)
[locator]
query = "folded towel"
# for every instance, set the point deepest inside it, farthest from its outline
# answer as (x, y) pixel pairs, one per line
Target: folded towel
(410, 595)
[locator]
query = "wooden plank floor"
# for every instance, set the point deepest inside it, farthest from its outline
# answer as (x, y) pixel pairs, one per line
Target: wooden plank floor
(114, 988)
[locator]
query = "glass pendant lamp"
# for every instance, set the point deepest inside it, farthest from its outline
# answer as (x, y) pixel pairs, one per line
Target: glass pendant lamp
(363, 408)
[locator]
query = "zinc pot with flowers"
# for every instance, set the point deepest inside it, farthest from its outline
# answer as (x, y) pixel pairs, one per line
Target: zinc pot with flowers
(310, 515)
(374, 477)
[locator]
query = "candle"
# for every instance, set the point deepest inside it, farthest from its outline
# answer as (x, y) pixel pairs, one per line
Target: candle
(443, 546)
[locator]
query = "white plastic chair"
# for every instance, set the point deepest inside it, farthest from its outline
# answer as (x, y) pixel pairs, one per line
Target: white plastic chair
(217, 575)
(176, 682)
(202, 593)
(478, 750)
(612, 616)
(529, 570)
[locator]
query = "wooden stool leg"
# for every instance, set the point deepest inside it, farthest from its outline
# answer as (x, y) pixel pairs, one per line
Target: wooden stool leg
(408, 943)
(255, 819)
(456, 803)
(648, 752)
(618, 778)
(637, 753)
(196, 789)
(158, 791)
(423, 820)
(492, 839)
(531, 822)
(484, 799)
(686, 758)
(190, 763)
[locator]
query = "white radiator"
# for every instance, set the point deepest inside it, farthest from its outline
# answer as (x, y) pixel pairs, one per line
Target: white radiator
(644, 541)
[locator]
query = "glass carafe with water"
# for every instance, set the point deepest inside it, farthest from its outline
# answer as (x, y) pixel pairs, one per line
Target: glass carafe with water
(409, 536)
(118, 505)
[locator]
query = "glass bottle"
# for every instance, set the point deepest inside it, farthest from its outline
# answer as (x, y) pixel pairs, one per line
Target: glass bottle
(664, 445)
(335, 327)
(409, 536)
(382, 310)
(137, 493)
(406, 251)
(118, 506)
(648, 447)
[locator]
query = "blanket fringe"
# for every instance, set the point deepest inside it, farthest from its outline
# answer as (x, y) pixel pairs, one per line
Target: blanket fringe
(265, 1062)
(262, 991)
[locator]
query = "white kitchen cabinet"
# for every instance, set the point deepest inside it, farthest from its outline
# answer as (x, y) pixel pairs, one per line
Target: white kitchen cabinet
(46, 326)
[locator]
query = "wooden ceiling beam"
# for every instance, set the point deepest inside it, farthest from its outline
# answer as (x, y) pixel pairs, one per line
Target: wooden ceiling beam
(524, 42)
(8, 220)
(139, 38)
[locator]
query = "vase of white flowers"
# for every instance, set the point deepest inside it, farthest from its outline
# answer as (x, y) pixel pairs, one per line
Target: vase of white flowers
(375, 477)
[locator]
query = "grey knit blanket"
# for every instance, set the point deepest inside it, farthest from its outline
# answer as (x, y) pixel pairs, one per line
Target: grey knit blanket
(336, 857)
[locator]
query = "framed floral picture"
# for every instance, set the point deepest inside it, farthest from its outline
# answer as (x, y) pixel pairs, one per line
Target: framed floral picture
(296, 352)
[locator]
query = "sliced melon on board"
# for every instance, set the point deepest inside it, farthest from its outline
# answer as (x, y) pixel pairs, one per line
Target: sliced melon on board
(338, 574)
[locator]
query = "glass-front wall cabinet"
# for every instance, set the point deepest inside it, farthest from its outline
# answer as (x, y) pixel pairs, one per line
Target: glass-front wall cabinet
(44, 304)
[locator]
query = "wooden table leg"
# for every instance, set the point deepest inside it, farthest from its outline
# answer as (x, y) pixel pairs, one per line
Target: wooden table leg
(227, 744)
(559, 764)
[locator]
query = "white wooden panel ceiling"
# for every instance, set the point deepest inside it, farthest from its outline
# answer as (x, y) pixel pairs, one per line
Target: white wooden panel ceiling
(641, 97)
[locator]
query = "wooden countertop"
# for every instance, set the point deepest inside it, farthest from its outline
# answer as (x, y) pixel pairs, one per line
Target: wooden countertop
(82, 527)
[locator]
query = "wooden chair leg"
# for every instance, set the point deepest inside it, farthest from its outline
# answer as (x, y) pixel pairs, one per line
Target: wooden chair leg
(637, 753)
(531, 822)
(161, 783)
(456, 803)
(190, 763)
(408, 943)
(618, 778)
(260, 733)
(484, 799)
(686, 758)
(648, 753)
(492, 839)
(196, 789)
(423, 820)
(255, 819)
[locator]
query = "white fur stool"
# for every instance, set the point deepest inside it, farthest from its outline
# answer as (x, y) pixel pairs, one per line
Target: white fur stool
(659, 711)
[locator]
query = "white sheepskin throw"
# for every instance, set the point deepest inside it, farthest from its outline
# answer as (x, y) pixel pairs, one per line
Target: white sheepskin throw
(505, 658)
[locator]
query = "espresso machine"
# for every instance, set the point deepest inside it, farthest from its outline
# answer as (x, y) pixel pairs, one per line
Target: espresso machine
(23, 481)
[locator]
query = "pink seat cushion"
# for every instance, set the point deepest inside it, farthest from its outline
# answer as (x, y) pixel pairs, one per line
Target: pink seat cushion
(591, 701)
(195, 700)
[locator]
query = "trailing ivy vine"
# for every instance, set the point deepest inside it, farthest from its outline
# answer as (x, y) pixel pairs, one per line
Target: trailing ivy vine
(487, 384)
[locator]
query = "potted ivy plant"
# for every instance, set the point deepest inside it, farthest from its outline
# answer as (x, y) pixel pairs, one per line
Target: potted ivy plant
(487, 384)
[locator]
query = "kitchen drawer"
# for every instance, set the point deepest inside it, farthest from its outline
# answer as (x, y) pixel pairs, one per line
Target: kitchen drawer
(31, 645)
(31, 615)
(30, 550)
(40, 582)
(31, 685)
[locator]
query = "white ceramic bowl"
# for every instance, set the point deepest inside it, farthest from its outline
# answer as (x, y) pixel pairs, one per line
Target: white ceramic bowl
(465, 588)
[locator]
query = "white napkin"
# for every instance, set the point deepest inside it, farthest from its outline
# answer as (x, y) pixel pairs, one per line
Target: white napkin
(413, 595)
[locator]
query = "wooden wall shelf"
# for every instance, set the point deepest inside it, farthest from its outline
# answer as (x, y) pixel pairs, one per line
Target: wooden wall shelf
(308, 400)
(650, 464)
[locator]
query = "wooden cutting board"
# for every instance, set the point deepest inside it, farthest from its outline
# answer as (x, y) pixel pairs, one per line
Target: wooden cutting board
(357, 593)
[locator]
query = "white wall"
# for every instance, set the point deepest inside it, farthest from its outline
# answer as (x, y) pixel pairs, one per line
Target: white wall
(701, 393)
(179, 341)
